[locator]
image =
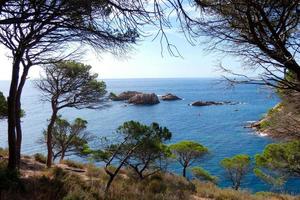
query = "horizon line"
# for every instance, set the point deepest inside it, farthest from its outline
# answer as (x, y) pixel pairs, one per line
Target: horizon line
(206, 77)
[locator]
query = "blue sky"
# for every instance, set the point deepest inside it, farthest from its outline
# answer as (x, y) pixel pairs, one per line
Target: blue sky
(146, 61)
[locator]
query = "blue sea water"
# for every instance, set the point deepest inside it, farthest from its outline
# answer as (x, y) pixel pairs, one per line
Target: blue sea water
(220, 128)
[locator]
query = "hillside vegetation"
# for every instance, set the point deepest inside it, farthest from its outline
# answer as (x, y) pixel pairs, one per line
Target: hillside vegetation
(72, 181)
(282, 121)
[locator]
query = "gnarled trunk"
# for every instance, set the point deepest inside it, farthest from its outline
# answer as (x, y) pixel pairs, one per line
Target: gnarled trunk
(49, 137)
(19, 114)
(11, 120)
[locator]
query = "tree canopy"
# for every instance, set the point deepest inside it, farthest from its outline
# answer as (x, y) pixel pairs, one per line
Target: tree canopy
(68, 138)
(138, 146)
(3, 106)
(236, 167)
(149, 156)
(187, 152)
(278, 162)
(204, 175)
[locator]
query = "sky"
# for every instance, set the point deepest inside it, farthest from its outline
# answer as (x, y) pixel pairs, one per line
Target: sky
(146, 60)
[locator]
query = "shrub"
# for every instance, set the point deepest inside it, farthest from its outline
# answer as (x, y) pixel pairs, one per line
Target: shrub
(73, 164)
(40, 158)
(9, 180)
(94, 172)
(3, 152)
(157, 186)
(264, 124)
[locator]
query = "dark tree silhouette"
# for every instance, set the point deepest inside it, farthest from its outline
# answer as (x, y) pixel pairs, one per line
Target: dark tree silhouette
(38, 32)
(265, 33)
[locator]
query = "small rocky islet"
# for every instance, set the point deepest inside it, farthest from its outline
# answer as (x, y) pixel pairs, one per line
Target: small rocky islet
(140, 98)
(212, 103)
(137, 98)
(170, 97)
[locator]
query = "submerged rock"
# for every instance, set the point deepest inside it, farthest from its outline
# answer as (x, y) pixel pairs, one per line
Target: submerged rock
(144, 99)
(123, 96)
(170, 97)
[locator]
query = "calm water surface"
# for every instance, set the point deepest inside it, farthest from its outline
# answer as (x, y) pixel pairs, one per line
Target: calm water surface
(220, 128)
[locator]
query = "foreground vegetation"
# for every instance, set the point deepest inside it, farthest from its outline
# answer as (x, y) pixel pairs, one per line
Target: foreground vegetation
(71, 181)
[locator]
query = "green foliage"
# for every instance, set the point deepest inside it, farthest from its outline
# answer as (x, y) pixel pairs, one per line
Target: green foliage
(236, 167)
(189, 147)
(40, 158)
(264, 124)
(69, 138)
(275, 109)
(187, 152)
(3, 105)
(276, 182)
(145, 144)
(204, 175)
(72, 84)
(150, 149)
(278, 161)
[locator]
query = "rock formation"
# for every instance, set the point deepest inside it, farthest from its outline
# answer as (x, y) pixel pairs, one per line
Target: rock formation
(123, 96)
(144, 99)
(170, 97)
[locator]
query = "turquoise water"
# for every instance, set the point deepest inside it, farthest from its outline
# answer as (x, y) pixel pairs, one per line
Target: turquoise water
(220, 128)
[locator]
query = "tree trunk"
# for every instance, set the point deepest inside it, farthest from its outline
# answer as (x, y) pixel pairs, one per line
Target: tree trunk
(19, 113)
(184, 171)
(49, 137)
(111, 178)
(62, 156)
(11, 100)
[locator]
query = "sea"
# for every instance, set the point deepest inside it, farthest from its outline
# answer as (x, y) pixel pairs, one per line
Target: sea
(221, 128)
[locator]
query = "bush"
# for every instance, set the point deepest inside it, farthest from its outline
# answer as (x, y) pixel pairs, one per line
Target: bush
(9, 180)
(3, 152)
(94, 172)
(73, 164)
(157, 186)
(40, 158)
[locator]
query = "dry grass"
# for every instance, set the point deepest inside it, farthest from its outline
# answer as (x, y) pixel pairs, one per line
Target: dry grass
(89, 184)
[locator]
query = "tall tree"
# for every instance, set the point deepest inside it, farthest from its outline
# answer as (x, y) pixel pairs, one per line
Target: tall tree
(187, 152)
(68, 84)
(38, 32)
(236, 168)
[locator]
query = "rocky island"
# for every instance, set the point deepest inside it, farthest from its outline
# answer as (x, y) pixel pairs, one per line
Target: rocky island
(170, 97)
(144, 99)
(123, 96)
(212, 103)
(137, 98)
